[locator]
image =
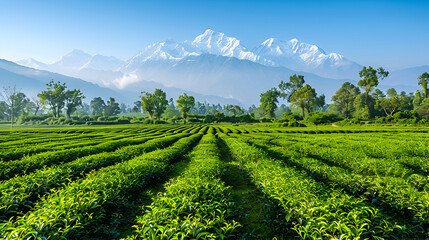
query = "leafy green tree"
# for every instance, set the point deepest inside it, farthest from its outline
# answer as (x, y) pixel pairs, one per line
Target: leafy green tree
(281, 110)
(212, 110)
(364, 107)
(418, 99)
(392, 103)
(306, 98)
(219, 116)
(30, 107)
(137, 106)
(423, 80)
(37, 104)
(112, 107)
(54, 96)
(423, 109)
(234, 109)
(408, 101)
(21, 101)
(148, 104)
(160, 102)
(269, 101)
(154, 104)
(344, 97)
(288, 88)
(4, 110)
(370, 79)
(97, 105)
(15, 102)
(378, 94)
(73, 100)
(185, 103)
(83, 109)
(171, 112)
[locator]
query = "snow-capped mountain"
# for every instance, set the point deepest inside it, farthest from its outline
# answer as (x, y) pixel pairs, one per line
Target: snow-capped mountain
(210, 42)
(272, 52)
(307, 57)
(216, 43)
(160, 51)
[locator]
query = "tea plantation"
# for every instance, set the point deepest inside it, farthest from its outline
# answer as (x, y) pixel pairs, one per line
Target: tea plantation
(214, 182)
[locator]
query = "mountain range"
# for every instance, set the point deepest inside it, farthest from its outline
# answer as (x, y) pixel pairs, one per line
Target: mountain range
(32, 81)
(215, 66)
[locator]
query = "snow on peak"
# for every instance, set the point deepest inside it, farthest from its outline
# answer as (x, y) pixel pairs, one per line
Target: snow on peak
(294, 54)
(269, 42)
(168, 50)
(218, 43)
(210, 42)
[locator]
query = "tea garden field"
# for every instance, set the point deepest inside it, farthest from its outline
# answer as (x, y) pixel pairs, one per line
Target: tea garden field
(214, 182)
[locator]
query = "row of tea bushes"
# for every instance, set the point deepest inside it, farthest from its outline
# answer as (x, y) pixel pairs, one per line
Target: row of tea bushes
(18, 194)
(79, 209)
(196, 205)
(310, 209)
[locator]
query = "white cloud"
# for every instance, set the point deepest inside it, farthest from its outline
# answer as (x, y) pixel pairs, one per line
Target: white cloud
(125, 80)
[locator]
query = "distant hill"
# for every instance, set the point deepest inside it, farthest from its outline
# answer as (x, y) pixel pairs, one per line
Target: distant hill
(243, 80)
(33, 81)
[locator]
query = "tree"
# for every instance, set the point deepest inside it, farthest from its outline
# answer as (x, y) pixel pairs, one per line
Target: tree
(378, 94)
(148, 104)
(344, 97)
(83, 109)
(423, 80)
(55, 97)
(185, 103)
(234, 109)
(306, 98)
(160, 102)
(423, 109)
(288, 88)
(37, 104)
(392, 103)
(112, 107)
(3, 110)
(97, 105)
(137, 106)
(14, 100)
(418, 99)
(269, 101)
(281, 110)
(73, 99)
(123, 108)
(154, 104)
(370, 79)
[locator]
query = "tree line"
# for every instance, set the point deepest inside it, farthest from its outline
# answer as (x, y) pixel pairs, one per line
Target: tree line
(364, 101)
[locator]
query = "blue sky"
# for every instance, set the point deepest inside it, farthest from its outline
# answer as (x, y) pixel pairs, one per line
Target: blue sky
(392, 34)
